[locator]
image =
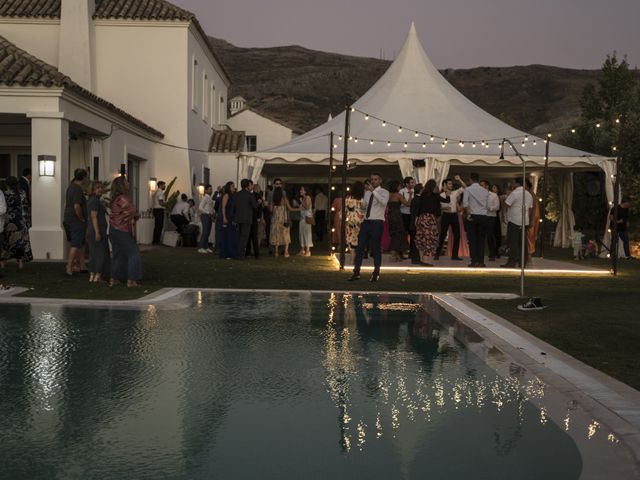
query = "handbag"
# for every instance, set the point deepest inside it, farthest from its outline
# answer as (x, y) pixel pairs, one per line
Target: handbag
(310, 220)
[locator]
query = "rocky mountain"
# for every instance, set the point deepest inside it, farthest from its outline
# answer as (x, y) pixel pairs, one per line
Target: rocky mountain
(301, 87)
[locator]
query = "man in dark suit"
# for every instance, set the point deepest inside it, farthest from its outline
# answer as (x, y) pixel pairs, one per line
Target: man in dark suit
(245, 206)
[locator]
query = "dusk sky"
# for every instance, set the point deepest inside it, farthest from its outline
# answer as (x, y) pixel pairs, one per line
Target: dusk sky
(455, 33)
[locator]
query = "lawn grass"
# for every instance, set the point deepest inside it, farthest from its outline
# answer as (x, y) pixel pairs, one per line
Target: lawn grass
(595, 319)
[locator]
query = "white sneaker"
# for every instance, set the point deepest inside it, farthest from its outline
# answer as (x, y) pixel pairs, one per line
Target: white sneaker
(202, 250)
(208, 250)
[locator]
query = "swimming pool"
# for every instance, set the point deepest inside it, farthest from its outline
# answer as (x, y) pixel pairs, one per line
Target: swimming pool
(276, 385)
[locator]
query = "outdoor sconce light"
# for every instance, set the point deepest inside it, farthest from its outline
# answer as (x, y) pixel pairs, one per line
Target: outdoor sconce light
(47, 165)
(153, 184)
(201, 189)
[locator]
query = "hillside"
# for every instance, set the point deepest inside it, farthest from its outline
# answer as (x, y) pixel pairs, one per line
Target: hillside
(300, 87)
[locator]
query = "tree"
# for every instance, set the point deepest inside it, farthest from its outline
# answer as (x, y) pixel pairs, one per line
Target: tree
(615, 98)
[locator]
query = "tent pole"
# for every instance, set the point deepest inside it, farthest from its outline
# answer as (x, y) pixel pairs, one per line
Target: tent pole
(615, 239)
(329, 222)
(343, 220)
(544, 193)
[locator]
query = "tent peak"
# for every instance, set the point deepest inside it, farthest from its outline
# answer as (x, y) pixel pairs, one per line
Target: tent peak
(412, 29)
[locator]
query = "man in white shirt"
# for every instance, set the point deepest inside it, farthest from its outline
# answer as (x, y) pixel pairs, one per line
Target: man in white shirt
(375, 203)
(514, 227)
(475, 201)
(320, 207)
(492, 216)
(449, 208)
(407, 193)
(180, 212)
(159, 204)
(206, 211)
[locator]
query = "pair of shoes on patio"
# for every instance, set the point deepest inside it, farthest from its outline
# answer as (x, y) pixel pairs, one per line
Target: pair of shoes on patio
(375, 276)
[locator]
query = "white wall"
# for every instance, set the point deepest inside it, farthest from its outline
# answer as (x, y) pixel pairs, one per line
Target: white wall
(269, 133)
(224, 167)
(37, 37)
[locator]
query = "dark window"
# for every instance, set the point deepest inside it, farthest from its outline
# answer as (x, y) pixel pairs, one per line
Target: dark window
(206, 176)
(5, 165)
(96, 168)
(133, 176)
(252, 143)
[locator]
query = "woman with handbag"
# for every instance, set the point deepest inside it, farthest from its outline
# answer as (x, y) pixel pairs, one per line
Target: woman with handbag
(280, 233)
(306, 222)
(125, 255)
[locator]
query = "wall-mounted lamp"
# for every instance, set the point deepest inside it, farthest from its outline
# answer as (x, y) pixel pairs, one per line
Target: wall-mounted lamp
(47, 165)
(201, 189)
(153, 184)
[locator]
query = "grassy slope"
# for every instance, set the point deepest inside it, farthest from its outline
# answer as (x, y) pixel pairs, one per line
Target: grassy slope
(593, 319)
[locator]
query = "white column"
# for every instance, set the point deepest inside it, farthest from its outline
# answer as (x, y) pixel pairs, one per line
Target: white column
(49, 136)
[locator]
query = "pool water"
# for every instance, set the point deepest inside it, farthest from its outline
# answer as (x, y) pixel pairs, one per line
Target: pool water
(269, 386)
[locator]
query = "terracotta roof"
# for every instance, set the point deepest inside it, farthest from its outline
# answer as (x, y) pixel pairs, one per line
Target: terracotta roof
(227, 141)
(19, 68)
(30, 8)
(159, 10)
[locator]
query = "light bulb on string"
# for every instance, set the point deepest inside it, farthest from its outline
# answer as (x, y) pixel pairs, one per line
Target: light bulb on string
(444, 144)
(399, 129)
(483, 142)
(355, 140)
(523, 144)
(617, 120)
(549, 135)
(353, 109)
(535, 143)
(371, 142)
(416, 134)
(461, 143)
(597, 125)
(424, 145)
(614, 148)
(335, 146)
(340, 138)
(388, 144)
(350, 138)
(405, 144)
(384, 124)
(573, 130)
(486, 145)
(431, 138)
(473, 145)
(526, 138)
(366, 117)
(446, 140)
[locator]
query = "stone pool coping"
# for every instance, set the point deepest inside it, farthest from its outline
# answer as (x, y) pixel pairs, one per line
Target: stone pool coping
(610, 400)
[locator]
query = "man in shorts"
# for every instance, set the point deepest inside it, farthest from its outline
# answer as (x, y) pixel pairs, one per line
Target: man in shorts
(75, 222)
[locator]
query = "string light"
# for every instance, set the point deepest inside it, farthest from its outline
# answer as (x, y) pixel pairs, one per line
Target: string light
(526, 138)
(384, 124)
(371, 142)
(573, 130)
(388, 144)
(353, 109)
(405, 144)
(617, 120)
(424, 145)
(444, 144)
(535, 143)
(598, 125)
(416, 134)
(366, 117)
(473, 145)
(431, 138)
(446, 140)
(399, 129)
(356, 140)
(461, 143)
(340, 138)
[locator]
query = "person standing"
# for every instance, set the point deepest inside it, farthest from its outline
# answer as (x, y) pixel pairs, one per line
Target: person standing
(397, 231)
(75, 222)
(427, 239)
(306, 222)
(320, 207)
(492, 219)
(514, 227)
(449, 208)
(354, 211)
(415, 206)
(159, 204)
(206, 219)
(621, 223)
(17, 243)
(280, 232)
(475, 201)
(125, 256)
(254, 233)
(229, 240)
(97, 234)
(407, 193)
(534, 224)
(245, 206)
(25, 185)
(375, 200)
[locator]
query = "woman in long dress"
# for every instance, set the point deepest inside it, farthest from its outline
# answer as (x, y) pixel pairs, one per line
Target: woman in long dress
(534, 223)
(427, 226)
(280, 228)
(355, 215)
(125, 256)
(463, 248)
(304, 227)
(398, 245)
(229, 241)
(16, 232)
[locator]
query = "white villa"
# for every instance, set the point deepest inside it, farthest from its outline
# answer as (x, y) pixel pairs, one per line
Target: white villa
(110, 86)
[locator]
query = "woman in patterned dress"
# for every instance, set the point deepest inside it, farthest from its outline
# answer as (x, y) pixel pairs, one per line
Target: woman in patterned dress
(427, 229)
(16, 232)
(280, 234)
(355, 215)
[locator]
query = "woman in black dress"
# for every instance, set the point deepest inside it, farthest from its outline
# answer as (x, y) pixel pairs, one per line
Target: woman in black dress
(399, 244)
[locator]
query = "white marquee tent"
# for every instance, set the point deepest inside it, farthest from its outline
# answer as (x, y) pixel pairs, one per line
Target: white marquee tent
(413, 113)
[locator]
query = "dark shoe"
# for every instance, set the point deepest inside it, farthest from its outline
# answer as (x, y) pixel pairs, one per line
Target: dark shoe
(471, 265)
(480, 265)
(425, 264)
(375, 276)
(354, 276)
(454, 258)
(508, 265)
